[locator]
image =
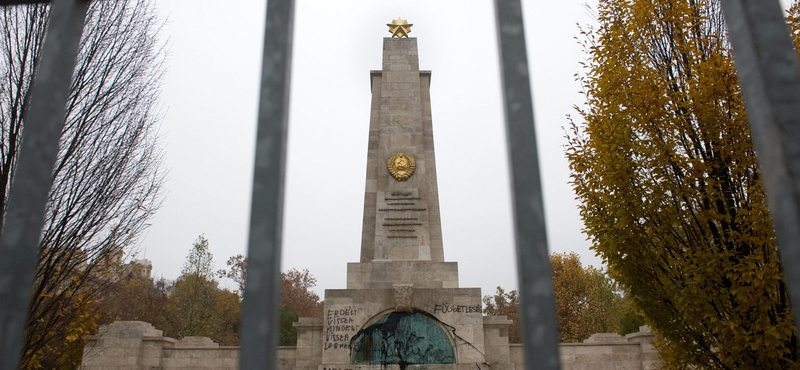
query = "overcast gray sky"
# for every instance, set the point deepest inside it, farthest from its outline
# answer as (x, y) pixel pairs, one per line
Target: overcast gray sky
(210, 101)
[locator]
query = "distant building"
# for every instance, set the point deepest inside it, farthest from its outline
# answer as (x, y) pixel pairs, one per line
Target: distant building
(140, 268)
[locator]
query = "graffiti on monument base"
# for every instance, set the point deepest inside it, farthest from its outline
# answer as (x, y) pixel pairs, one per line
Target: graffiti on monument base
(340, 327)
(337, 344)
(446, 307)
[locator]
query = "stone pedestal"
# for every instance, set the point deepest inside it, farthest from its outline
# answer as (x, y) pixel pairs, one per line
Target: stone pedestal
(350, 313)
(384, 274)
(309, 343)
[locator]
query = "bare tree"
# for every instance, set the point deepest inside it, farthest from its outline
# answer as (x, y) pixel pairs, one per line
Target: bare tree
(238, 268)
(107, 176)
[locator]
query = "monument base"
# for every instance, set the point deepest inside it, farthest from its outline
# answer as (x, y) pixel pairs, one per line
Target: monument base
(402, 324)
(423, 274)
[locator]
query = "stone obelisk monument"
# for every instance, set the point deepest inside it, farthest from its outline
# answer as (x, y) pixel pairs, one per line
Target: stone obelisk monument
(402, 234)
(402, 305)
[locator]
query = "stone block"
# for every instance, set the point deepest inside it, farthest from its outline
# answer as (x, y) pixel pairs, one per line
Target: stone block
(196, 342)
(605, 338)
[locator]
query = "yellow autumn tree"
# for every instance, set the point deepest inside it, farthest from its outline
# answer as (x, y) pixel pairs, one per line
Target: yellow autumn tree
(586, 301)
(670, 192)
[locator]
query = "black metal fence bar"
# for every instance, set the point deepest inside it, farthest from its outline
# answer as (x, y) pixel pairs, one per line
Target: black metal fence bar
(260, 314)
(539, 329)
(19, 244)
(769, 75)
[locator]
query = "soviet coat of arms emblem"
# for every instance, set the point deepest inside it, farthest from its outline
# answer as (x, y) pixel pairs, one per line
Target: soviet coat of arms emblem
(401, 166)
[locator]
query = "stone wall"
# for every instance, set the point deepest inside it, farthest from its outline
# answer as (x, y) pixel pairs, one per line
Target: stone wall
(605, 351)
(135, 345)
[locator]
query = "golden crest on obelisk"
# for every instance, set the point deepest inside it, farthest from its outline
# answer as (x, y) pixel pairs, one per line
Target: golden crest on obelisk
(401, 166)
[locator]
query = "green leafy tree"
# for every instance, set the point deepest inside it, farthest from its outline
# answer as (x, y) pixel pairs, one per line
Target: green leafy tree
(196, 306)
(630, 323)
(288, 335)
(200, 261)
(669, 186)
(586, 301)
(225, 323)
(190, 307)
(191, 301)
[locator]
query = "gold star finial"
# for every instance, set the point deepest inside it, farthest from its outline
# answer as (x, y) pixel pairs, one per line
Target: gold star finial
(399, 28)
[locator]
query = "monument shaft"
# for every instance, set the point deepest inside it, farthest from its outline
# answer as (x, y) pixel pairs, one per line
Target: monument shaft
(401, 217)
(402, 233)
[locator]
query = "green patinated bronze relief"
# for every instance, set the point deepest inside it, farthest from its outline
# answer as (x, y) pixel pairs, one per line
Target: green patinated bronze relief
(404, 338)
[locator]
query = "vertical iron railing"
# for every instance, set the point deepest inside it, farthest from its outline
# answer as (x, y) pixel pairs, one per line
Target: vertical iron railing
(768, 72)
(538, 312)
(44, 120)
(260, 313)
